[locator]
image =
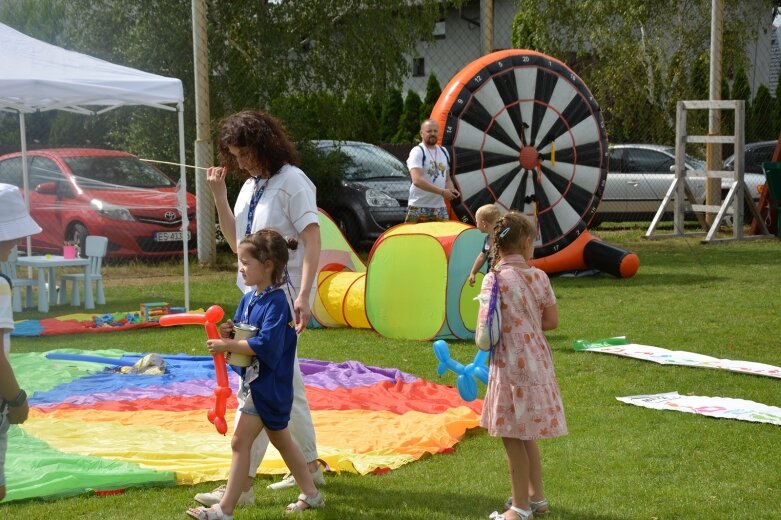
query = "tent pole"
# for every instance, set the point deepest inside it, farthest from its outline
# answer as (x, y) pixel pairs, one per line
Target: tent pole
(183, 206)
(25, 183)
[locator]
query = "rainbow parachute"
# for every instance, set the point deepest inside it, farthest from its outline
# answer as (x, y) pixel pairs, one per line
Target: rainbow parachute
(92, 427)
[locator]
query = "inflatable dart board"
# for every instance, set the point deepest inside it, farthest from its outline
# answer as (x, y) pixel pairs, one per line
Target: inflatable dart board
(525, 133)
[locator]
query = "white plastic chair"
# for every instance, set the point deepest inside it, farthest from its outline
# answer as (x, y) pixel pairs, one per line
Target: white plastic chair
(95, 248)
(8, 268)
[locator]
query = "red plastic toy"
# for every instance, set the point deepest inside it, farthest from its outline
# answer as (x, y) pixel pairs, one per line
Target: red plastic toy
(209, 319)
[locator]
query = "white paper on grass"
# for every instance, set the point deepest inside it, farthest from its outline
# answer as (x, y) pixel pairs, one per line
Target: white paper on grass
(721, 407)
(664, 356)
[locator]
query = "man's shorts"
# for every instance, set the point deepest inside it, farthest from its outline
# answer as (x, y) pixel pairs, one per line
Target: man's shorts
(416, 214)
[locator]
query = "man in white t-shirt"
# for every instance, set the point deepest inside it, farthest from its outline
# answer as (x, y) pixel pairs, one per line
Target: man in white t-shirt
(429, 167)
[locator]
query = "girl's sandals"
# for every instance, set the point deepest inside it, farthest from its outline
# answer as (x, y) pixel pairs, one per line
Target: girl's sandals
(310, 502)
(212, 513)
(538, 507)
(523, 514)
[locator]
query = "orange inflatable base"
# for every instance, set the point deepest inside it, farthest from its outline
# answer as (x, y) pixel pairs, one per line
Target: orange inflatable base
(589, 252)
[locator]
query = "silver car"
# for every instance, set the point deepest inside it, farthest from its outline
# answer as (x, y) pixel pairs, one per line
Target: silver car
(639, 176)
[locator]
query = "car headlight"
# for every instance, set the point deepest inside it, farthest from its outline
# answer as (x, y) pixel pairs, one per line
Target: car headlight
(380, 198)
(111, 211)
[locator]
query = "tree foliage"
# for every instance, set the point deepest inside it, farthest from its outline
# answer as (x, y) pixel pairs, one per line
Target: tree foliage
(777, 112)
(740, 87)
(321, 65)
(741, 90)
(409, 122)
(313, 46)
(638, 57)
(761, 125)
(433, 91)
(392, 107)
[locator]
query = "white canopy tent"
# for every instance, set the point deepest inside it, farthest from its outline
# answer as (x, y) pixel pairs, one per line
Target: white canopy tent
(37, 76)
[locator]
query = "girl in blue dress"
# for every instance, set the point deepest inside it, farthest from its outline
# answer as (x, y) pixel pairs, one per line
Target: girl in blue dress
(268, 382)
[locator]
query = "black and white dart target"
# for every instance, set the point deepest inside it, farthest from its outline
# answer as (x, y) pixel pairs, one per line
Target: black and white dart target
(524, 132)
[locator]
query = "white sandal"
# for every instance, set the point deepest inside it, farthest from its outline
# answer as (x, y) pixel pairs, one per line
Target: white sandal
(312, 502)
(523, 514)
(211, 513)
(538, 507)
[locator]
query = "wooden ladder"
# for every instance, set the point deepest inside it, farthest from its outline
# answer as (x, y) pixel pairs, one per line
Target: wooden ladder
(680, 192)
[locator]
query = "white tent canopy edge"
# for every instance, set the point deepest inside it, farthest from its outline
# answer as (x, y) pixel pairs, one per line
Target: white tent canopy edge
(36, 76)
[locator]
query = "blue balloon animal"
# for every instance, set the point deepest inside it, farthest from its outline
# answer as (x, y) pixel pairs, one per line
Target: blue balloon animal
(467, 375)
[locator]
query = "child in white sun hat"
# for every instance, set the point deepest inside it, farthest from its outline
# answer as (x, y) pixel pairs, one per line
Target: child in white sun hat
(15, 224)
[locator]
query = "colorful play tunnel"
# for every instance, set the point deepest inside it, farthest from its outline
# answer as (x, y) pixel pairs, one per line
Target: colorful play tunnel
(416, 284)
(414, 288)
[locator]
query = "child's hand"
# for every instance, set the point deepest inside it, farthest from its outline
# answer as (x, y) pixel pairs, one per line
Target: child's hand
(226, 329)
(471, 280)
(216, 346)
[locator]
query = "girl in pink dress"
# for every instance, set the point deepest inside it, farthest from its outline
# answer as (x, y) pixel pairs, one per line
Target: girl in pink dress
(522, 402)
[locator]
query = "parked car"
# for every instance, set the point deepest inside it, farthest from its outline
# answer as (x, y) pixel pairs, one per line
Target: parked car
(639, 176)
(754, 155)
(75, 192)
(373, 191)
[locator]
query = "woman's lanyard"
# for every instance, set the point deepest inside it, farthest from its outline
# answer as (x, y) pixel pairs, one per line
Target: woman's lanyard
(254, 299)
(256, 195)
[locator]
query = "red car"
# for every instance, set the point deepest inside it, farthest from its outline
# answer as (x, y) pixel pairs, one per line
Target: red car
(75, 192)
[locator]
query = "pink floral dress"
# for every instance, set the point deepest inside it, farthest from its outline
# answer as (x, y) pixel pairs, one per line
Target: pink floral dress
(523, 399)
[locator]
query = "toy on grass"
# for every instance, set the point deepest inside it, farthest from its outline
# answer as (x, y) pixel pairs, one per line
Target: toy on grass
(117, 319)
(209, 319)
(154, 310)
(467, 375)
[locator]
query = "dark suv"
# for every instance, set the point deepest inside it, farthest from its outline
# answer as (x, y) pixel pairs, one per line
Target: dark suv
(373, 191)
(755, 155)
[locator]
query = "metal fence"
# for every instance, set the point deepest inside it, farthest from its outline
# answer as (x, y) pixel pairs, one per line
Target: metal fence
(579, 133)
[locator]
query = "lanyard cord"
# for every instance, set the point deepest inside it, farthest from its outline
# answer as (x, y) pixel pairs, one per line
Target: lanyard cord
(434, 162)
(256, 195)
(255, 298)
(433, 157)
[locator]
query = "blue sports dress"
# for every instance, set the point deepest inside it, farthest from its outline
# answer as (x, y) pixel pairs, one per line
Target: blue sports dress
(275, 350)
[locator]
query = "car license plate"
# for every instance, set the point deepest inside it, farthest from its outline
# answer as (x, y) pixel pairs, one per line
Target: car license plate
(170, 236)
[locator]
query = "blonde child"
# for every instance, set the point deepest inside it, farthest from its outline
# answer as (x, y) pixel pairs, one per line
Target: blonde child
(522, 401)
(15, 223)
(267, 384)
(485, 218)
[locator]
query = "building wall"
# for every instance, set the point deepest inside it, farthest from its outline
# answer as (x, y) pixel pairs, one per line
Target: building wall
(461, 44)
(760, 57)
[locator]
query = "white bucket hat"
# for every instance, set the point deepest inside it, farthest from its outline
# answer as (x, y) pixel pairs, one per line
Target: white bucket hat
(15, 221)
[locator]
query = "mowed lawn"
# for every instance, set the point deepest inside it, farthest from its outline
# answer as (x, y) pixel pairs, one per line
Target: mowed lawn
(618, 461)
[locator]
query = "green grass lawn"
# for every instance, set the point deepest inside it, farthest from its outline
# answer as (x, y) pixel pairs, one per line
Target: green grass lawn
(618, 461)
